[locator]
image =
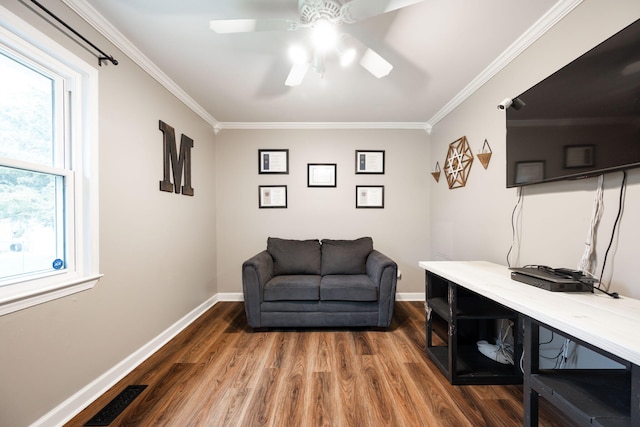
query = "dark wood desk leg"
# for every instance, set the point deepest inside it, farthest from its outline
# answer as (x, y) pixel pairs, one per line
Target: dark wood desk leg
(531, 361)
(635, 395)
(427, 309)
(453, 332)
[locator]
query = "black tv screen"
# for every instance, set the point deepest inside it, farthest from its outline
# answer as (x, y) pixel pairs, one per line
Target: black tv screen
(583, 120)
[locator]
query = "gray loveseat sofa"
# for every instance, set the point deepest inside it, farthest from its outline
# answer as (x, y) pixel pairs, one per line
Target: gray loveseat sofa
(311, 283)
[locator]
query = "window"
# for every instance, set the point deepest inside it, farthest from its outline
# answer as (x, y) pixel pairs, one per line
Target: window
(34, 174)
(48, 169)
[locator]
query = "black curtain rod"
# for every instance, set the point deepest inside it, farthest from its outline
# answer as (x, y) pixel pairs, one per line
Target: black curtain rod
(104, 56)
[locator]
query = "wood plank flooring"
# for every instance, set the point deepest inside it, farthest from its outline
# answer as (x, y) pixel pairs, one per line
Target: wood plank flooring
(218, 372)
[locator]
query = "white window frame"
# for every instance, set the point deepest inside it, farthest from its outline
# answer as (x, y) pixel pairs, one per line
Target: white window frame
(82, 228)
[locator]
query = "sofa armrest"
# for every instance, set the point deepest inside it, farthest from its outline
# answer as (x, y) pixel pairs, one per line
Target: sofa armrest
(256, 272)
(379, 266)
(383, 271)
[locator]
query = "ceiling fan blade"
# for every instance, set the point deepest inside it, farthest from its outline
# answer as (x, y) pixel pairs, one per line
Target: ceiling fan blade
(375, 64)
(357, 10)
(225, 26)
(297, 73)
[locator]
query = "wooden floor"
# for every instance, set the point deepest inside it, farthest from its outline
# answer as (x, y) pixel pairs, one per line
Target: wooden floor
(217, 372)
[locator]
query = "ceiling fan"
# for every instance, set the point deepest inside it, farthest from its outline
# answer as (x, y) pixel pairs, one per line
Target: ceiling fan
(323, 18)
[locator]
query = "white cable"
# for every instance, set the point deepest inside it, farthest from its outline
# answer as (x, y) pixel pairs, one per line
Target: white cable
(503, 347)
(588, 262)
(565, 354)
(515, 228)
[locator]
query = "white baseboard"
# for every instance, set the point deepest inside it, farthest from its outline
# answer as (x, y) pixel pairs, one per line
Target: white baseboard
(410, 296)
(64, 412)
(231, 296)
(401, 296)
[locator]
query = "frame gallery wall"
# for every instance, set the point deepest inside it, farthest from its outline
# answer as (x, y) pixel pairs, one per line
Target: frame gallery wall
(319, 175)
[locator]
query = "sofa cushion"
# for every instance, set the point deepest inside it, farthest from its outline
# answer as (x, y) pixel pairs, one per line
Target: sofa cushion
(354, 287)
(320, 306)
(294, 256)
(345, 256)
(305, 287)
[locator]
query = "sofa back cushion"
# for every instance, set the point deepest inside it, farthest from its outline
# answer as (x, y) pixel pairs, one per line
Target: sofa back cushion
(294, 256)
(345, 256)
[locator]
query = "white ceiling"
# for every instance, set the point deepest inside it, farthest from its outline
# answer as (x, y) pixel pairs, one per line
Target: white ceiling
(440, 50)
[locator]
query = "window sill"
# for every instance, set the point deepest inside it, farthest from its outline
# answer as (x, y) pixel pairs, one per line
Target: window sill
(13, 300)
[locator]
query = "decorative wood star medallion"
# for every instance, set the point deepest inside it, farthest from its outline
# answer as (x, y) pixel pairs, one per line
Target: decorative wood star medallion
(458, 163)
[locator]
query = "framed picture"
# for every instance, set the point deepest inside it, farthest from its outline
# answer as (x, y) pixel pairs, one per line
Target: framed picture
(272, 196)
(529, 172)
(273, 161)
(321, 174)
(370, 162)
(369, 196)
(579, 156)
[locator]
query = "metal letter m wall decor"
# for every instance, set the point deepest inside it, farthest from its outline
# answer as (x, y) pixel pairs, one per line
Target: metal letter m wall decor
(171, 161)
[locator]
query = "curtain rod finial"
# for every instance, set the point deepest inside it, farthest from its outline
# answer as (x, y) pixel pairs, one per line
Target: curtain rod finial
(107, 58)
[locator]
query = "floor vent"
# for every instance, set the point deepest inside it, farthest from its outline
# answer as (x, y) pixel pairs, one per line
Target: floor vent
(116, 406)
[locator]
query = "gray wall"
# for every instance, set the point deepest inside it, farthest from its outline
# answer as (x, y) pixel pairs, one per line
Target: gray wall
(157, 249)
(474, 222)
(399, 230)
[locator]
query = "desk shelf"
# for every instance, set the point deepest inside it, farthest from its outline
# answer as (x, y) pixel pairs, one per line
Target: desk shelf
(472, 367)
(600, 397)
(470, 307)
(603, 325)
(467, 318)
(591, 396)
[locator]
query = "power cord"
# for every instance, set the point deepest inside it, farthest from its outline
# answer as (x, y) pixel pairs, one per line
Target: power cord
(588, 258)
(614, 295)
(501, 351)
(623, 187)
(505, 348)
(588, 261)
(589, 278)
(514, 234)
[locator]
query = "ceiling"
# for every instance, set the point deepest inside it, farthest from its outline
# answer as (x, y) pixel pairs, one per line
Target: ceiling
(441, 50)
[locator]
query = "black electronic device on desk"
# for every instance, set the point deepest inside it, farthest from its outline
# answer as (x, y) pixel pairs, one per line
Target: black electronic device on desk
(554, 279)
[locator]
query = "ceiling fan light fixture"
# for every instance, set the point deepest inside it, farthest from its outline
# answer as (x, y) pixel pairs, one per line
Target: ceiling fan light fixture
(348, 56)
(297, 73)
(375, 64)
(298, 55)
(324, 18)
(324, 35)
(319, 63)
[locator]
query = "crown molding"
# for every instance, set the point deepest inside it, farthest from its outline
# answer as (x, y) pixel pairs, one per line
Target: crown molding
(104, 27)
(111, 33)
(326, 125)
(541, 26)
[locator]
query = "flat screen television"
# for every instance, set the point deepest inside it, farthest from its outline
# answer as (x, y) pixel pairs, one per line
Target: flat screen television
(583, 120)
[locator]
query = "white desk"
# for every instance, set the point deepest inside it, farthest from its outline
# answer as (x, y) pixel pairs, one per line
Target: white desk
(604, 323)
(607, 323)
